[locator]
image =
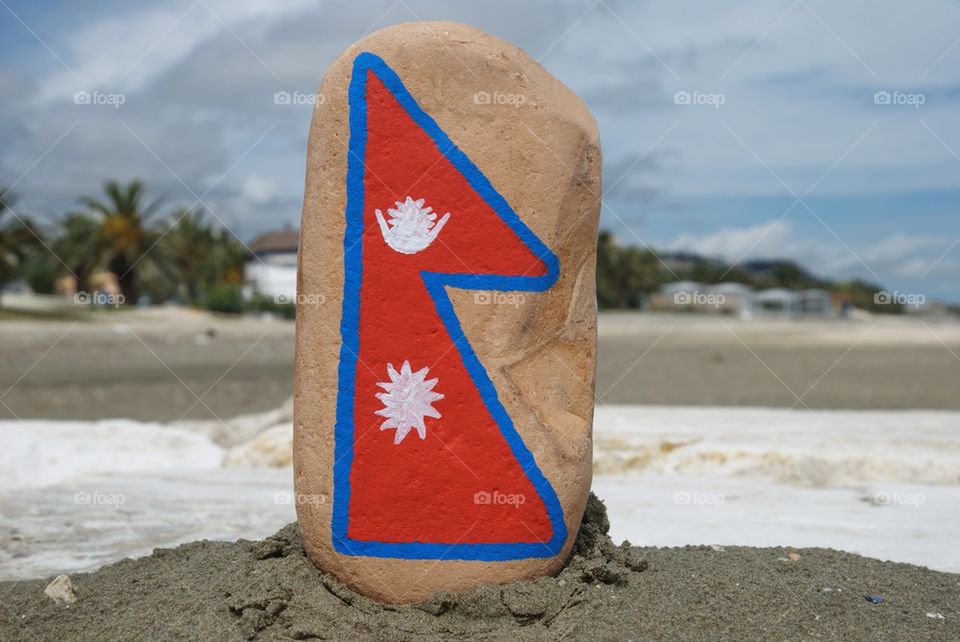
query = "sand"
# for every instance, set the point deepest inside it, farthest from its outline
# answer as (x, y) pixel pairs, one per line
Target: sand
(268, 590)
(152, 365)
(878, 363)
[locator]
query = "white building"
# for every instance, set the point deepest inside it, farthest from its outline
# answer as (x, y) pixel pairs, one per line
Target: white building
(741, 300)
(728, 298)
(272, 270)
(777, 301)
(815, 301)
(732, 297)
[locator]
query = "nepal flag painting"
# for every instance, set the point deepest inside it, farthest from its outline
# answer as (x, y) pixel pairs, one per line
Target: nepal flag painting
(428, 462)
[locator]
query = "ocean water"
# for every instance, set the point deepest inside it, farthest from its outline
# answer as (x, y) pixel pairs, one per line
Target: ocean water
(77, 495)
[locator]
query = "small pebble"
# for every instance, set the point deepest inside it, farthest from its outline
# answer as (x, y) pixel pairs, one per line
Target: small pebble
(60, 590)
(937, 616)
(873, 599)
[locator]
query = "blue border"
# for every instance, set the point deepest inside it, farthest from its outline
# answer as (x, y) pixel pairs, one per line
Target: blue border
(436, 284)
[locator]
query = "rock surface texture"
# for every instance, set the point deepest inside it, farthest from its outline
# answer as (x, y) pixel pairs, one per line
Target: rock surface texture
(446, 322)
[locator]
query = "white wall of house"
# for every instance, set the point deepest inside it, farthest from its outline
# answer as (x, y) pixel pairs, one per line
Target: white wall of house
(273, 275)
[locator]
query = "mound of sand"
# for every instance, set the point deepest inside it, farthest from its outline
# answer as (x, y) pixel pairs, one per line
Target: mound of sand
(268, 590)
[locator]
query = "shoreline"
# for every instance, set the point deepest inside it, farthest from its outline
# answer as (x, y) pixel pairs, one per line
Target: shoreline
(877, 483)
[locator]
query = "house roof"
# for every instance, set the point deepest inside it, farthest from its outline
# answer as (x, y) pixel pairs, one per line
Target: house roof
(730, 287)
(681, 286)
(276, 241)
(777, 294)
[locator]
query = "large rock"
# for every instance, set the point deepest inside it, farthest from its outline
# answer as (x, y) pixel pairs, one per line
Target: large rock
(446, 321)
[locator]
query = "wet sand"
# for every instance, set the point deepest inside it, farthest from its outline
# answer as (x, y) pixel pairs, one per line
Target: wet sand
(155, 365)
(163, 365)
(268, 590)
(883, 363)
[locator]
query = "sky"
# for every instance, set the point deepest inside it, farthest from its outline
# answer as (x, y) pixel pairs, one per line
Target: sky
(817, 131)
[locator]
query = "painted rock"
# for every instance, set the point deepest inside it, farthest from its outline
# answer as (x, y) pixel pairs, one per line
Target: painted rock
(446, 320)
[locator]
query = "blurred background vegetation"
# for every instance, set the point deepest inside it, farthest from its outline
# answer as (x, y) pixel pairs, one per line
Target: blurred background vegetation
(161, 254)
(627, 276)
(156, 254)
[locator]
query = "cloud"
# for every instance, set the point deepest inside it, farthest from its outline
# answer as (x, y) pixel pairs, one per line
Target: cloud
(793, 108)
(900, 258)
(798, 79)
(735, 244)
(125, 50)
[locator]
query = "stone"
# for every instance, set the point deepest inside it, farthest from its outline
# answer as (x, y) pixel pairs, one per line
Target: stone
(60, 590)
(446, 315)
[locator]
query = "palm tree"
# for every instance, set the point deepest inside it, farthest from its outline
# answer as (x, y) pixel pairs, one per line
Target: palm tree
(186, 251)
(17, 238)
(200, 255)
(125, 238)
(78, 246)
(625, 274)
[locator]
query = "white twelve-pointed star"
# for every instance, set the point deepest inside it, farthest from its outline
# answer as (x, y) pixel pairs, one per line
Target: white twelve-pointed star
(408, 399)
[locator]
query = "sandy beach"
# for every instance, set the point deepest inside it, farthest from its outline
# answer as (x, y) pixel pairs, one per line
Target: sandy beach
(773, 520)
(168, 364)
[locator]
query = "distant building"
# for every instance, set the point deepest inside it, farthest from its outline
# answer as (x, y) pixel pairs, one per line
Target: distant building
(682, 287)
(815, 301)
(730, 298)
(740, 300)
(735, 298)
(777, 301)
(272, 268)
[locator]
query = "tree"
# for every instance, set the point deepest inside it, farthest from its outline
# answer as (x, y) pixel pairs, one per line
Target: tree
(625, 274)
(78, 245)
(124, 236)
(200, 256)
(18, 238)
(186, 251)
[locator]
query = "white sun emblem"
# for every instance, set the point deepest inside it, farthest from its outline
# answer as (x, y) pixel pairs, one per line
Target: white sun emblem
(408, 399)
(412, 227)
